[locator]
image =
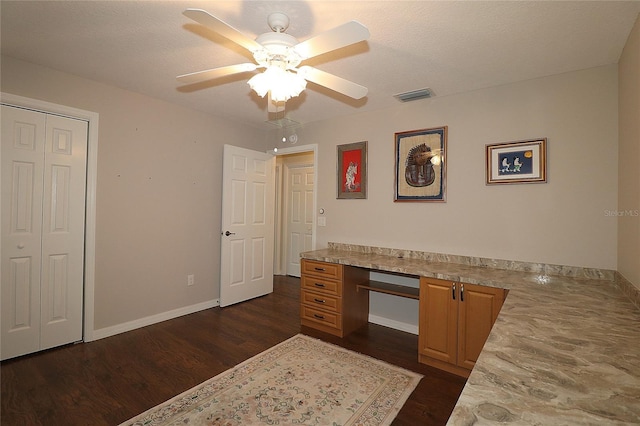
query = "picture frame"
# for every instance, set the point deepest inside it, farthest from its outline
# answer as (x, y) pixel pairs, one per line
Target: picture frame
(351, 171)
(516, 162)
(421, 165)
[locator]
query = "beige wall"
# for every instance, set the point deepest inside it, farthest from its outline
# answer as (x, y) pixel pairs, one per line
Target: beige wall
(629, 159)
(158, 192)
(159, 182)
(561, 222)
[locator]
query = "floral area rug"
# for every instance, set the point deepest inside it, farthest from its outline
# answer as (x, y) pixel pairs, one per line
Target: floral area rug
(300, 381)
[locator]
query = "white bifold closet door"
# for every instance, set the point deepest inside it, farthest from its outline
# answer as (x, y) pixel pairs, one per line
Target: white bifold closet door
(43, 217)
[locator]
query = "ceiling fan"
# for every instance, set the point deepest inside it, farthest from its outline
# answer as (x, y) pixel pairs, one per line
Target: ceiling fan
(280, 54)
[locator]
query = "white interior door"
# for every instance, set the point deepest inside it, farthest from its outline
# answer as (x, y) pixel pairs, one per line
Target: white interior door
(300, 210)
(43, 203)
(23, 134)
(63, 231)
(248, 196)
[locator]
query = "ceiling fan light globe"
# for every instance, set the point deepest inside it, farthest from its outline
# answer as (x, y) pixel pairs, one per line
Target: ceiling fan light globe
(283, 85)
(259, 84)
(287, 86)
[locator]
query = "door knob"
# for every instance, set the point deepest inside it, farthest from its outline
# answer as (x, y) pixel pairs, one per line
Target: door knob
(229, 233)
(20, 246)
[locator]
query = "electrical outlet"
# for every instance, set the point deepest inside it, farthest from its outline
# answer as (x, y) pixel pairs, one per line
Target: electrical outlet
(190, 280)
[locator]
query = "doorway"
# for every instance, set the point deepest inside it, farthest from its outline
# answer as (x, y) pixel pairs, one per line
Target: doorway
(296, 198)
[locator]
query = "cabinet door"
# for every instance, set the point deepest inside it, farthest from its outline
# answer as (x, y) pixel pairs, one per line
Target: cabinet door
(438, 320)
(478, 309)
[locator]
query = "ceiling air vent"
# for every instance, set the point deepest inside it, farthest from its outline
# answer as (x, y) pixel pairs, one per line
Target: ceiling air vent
(414, 95)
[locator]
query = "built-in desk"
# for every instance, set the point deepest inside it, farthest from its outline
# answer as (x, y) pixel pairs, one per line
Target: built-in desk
(334, 298)
(564, 349)
(392, 289)
(455, 318)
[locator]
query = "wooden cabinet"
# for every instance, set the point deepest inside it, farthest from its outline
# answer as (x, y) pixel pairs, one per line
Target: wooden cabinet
(330, 300)
(455, 321)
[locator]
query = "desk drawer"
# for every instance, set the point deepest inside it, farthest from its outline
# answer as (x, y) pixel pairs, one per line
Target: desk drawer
(321, 285)
(321, 301)
(320, 317)
(326, 270)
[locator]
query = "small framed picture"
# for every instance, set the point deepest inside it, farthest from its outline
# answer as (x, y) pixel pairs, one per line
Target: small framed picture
(517, 162)
(421, 165)
(352, 170)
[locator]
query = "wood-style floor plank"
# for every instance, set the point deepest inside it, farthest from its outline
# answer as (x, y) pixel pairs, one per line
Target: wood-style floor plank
(108, 381)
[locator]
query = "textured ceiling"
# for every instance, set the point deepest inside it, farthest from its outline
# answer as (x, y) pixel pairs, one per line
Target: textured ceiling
(449, 46)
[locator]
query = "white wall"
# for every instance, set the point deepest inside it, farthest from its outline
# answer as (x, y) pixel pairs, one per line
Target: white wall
(562, 221)
(158, 193)
(629, 177)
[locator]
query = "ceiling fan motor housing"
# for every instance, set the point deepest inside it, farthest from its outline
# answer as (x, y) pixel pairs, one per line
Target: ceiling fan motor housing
(277, 50)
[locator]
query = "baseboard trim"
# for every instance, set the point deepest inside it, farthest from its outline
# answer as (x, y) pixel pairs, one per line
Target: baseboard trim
(396, 325)
(153, 319)
(631, 291)
(164, 316)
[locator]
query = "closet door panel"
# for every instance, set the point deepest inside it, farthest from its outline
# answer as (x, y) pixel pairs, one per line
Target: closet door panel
(23, 135)
(63, 231)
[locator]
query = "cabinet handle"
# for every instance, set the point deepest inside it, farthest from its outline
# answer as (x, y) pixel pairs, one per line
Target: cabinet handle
(453, 291)
(319, 316)
(319, 301)
(319, 285)
(462, 292)
(319, 269)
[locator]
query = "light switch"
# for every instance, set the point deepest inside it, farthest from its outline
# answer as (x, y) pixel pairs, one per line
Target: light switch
(322, 221)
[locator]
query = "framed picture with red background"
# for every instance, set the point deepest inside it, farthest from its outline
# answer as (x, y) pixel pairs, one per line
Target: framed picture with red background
(352, 170)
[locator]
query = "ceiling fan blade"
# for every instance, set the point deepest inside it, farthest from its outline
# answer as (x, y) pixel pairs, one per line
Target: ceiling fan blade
(333, 82)
(344, 35)
(273, 106)
(197, 77)
(222, 28)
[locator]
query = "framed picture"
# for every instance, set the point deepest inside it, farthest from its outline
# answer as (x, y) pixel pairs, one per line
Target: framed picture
(517, 162)
(421, 165)
(352, 170)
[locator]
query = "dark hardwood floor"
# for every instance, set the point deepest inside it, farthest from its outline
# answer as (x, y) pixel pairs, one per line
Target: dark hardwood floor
(108, 381)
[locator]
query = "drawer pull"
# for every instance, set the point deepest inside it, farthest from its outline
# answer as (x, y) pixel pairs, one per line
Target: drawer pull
(319, 301)
(319, 285)
(319, 316)
(319, 269)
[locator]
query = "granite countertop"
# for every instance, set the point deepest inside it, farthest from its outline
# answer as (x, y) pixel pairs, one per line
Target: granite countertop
(565, 349)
